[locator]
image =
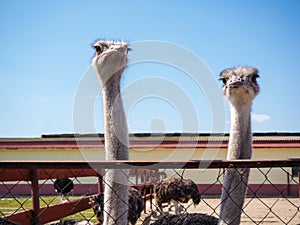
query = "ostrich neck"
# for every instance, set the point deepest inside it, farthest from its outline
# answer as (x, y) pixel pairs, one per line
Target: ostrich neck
(116, 135)
(235, 180)
(116, 148)
(240, 139)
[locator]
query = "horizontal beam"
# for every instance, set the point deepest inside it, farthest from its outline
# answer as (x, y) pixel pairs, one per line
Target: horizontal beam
(10, 174)
(150, 164)
(52, 213)
(62, 210)
(23, 218)
(13, 174)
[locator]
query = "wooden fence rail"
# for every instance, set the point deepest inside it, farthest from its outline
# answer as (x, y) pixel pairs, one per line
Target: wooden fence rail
(34, 171)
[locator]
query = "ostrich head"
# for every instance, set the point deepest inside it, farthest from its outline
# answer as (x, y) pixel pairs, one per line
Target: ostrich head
(110, 59)
(240, 84)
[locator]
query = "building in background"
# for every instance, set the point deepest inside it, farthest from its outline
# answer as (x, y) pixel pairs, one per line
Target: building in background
(166, 147)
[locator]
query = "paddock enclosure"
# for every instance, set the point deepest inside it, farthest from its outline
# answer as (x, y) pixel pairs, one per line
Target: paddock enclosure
(29, 167)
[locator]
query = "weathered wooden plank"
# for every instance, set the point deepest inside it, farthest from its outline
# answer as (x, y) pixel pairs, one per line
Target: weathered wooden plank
(150, 164)
(51, 213)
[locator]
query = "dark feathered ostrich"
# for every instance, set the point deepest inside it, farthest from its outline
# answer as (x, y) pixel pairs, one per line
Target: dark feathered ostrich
(97, 202)
(187, 219)
(72, 222)
(63, 187)
(135, 206)
(176, 190)
(4, 221)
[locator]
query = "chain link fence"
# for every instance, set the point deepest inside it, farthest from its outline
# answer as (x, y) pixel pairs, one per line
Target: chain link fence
(72, 192)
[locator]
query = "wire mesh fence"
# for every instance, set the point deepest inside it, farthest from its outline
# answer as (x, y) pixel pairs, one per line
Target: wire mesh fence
(72, 192)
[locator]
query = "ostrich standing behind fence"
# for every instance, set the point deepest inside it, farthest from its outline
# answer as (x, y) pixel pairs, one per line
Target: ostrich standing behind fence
(110, 61)
(187, 219)
(135, 206)
(71, 221)
(4, 221)
(63, 187)
(176, 190)
(240, 88)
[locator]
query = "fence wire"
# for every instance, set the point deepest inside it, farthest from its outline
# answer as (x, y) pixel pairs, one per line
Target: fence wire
(156, 195)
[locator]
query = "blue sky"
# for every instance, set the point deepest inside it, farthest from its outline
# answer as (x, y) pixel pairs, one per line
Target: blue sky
(45, 53)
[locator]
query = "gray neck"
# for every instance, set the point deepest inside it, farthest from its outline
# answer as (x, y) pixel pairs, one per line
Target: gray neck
(235, 180)
(116, 148)
(240, 139)
(116, 134)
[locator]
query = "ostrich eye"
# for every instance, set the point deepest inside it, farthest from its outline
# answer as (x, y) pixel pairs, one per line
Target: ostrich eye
(254, 77)
(98, 49)
(224, 80)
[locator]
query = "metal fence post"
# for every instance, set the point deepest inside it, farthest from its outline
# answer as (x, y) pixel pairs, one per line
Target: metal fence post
(100, 184)
(299, 183)
(288, 184)
(145, 191)
(35, 196)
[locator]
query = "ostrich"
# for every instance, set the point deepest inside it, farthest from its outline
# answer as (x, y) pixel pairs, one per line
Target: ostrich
(72, 222)
(176, 190)
(77, 222)
(187, 219)
(240, 88)
(109, 62)
(135, 206)
(4, 221)
(63, 187)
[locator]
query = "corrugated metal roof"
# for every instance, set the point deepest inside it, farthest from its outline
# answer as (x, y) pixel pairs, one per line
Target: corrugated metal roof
(146, 140)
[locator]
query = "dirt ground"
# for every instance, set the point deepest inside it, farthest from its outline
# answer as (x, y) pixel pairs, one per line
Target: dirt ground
(256, 210)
